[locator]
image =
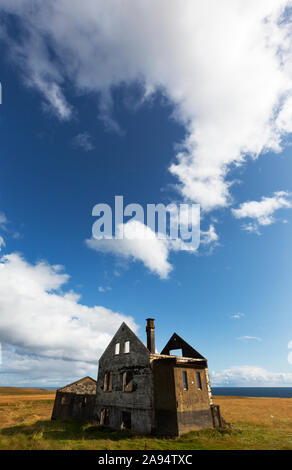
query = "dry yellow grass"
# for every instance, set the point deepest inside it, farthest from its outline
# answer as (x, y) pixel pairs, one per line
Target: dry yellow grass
(258, 423)
(21, 398)
(270, 412)
(25, 405)
(16, 391)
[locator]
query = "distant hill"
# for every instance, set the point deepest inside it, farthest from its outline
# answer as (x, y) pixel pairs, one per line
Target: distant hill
(24, 391)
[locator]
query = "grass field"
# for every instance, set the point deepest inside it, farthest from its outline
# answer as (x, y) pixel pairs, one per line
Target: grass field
(257, 423)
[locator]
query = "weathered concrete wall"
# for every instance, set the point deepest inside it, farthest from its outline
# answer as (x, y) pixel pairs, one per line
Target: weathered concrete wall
(193, 404)
(138, 402)
(165, 416)
(177, 410)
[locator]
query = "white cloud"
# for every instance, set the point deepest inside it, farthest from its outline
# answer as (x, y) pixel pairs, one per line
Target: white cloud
(104, 289)
(55, 100)
(3, 221)
(16, 235)
(262, 212)
(137, 241)
(41, 324)
(251, 228)
(225, 66)
(250, 376)
(210, 236)
(3, 226)
(237, 316)
(249, 338)
(19, 368)
(2, 243)
(83, 140)
(140, 243)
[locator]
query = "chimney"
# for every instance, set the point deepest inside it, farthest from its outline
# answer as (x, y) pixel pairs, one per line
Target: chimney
(150, 330)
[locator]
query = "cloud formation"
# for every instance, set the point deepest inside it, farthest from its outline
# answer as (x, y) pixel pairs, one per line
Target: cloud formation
(2, 243)
(250, 376)
(237, 316)
(225, 66)
(20, 368)
(249, 338)
(49, 325)
(262, 212)
(3, 221)
(209, 236)
(104, 288)
(84, 141)
(140, 243)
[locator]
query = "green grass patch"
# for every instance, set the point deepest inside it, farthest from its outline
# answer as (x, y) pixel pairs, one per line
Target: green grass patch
(257, 423)
(72, 434)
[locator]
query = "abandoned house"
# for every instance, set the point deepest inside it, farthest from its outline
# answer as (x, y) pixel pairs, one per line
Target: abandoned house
(144, 391)
(75, 400)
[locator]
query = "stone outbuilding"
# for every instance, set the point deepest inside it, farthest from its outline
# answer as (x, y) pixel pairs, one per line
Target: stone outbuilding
(167, 393)
(76, 400)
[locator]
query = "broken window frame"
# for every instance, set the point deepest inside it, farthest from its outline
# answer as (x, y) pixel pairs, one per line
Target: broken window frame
(127, 381)
(66, 400)
(126, 420)
(127, 347)
(108, 382)
(179, 351)
(84, 402)
(185, 379)
(104, 417)
(199, 380)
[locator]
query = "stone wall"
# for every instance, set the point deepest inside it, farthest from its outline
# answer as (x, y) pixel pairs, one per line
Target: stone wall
(73, 406)
(118, 403)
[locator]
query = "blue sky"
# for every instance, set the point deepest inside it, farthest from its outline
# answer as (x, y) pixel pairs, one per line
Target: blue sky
(83, 121)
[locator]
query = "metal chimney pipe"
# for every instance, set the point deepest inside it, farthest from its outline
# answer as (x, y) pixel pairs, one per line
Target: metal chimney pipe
(150, 330)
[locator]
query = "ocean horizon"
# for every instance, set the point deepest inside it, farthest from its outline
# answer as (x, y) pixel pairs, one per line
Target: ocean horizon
(266, 392)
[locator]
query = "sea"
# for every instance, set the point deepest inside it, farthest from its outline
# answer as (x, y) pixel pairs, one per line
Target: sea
(276, 392)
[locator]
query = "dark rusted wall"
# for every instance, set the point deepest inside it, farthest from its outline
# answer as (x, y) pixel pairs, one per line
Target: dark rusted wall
(139, 401)
(177, 410)
(73, 406)
(165, 416)
(193, 404)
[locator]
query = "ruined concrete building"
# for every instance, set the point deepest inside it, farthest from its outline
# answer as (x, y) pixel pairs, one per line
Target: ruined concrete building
(76, 400)
(138, 389)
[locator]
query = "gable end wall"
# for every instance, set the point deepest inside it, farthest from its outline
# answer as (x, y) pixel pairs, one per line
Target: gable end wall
(137, 402)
